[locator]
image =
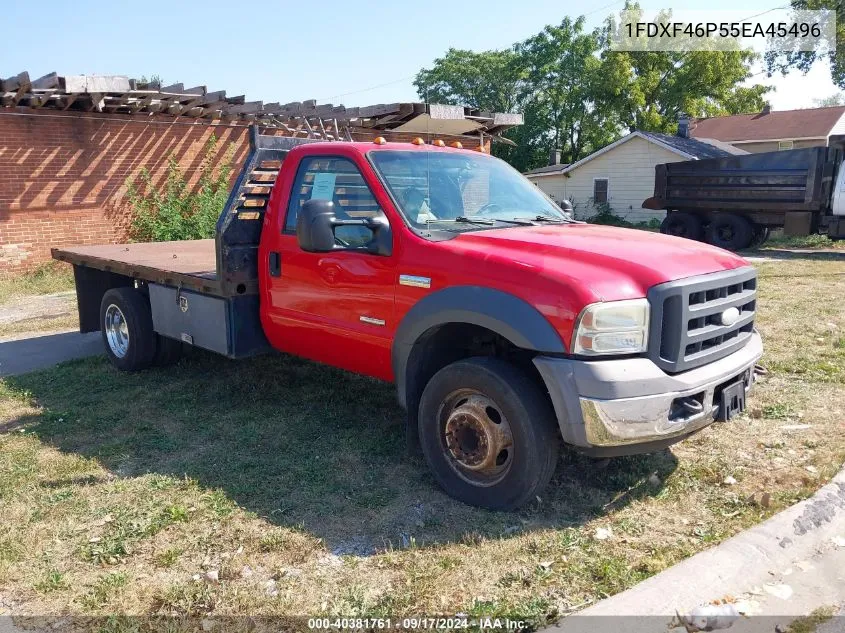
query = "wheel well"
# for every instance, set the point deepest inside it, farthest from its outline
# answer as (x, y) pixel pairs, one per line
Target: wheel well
(450, 342)
(91, 285)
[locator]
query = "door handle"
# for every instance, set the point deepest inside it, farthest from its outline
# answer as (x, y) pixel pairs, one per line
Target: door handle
(275, 264)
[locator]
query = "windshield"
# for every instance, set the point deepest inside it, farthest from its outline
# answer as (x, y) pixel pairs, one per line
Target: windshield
(451, 188)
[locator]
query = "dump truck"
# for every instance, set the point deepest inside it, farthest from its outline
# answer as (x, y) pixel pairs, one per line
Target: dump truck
(734, 202)
(508, 328)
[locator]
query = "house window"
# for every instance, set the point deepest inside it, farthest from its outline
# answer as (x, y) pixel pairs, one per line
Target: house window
(600, 190)
(785, 145)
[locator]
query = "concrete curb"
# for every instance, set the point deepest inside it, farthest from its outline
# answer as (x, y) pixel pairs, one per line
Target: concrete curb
(730, 568)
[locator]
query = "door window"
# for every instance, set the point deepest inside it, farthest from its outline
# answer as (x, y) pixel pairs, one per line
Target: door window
(339, 180)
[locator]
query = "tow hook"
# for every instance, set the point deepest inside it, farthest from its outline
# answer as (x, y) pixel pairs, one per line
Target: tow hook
(759, 370)
(691, 405)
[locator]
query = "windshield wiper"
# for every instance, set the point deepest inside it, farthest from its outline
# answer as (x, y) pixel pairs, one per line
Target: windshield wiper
(466, 220)
(477, 220)
(548, 218)
(489, 221)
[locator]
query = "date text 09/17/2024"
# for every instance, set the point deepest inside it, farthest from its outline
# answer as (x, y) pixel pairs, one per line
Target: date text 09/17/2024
(420, 623)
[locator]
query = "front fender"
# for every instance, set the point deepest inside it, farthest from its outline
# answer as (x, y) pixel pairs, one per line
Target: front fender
(509, 316)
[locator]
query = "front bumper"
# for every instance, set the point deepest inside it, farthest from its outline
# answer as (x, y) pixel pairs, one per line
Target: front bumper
(628, 406)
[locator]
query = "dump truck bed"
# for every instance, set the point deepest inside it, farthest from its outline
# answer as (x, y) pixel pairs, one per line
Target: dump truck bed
(793, 180)
(190, 264)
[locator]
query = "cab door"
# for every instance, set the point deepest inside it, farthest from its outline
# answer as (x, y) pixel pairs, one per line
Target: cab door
(335, 307)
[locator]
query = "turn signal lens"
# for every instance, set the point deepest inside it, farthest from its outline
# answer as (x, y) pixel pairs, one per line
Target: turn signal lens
(418, 141)
(438, 143)
(458, 145)
(379, 140)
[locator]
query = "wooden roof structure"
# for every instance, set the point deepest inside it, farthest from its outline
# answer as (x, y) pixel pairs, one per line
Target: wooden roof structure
(118, 94)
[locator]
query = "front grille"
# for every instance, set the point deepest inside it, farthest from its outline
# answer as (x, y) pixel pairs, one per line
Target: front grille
(686, 318)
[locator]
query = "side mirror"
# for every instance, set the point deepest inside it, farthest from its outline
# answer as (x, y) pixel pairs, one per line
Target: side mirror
(316, 224)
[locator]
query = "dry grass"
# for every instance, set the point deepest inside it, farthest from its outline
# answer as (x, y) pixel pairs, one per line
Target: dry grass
(36, 325)
(51, 277)
(118, 492)
(24, 308)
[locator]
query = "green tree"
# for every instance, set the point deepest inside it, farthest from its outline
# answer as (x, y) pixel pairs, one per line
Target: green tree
(489, 80)
(578, 95)
(550, 78)
(650, 89)
(492, 80)
(836, 99)
(783, 62)
(564, 78)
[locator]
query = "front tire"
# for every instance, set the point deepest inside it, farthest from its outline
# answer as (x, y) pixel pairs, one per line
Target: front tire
(126, 324)
(488, 433)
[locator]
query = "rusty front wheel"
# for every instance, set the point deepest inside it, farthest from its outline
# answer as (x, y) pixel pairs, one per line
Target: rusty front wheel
(476, 436)
(488, 433)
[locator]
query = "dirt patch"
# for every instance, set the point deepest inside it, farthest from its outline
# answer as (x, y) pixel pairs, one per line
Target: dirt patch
(38, 313)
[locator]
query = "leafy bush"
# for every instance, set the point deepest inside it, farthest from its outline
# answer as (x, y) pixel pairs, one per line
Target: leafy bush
(175, 211)
(605, 215)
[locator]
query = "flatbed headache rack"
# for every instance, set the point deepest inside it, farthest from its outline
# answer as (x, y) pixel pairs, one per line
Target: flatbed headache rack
(225, 266)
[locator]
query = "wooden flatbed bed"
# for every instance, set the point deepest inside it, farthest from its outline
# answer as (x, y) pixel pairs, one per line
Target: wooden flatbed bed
(192, 264)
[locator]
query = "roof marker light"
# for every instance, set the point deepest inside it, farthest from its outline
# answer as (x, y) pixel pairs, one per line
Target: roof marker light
(379, 140)
(418, 141)
(458, 145)
(439, 143)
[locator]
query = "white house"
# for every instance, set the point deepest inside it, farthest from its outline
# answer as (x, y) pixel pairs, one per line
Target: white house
(622, 173)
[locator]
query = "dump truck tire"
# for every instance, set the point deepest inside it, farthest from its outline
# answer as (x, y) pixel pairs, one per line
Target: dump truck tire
(488, 433)
(683, 224)
(730, 231)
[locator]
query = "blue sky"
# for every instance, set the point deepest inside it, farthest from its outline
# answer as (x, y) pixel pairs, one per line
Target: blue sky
(340, 52)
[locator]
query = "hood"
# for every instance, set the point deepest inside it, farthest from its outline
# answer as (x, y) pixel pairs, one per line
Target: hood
(614, 263)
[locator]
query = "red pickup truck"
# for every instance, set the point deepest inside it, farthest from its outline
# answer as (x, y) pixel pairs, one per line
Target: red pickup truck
(506, 326)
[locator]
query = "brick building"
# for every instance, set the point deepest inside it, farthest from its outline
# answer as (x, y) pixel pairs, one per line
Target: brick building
(69, 144)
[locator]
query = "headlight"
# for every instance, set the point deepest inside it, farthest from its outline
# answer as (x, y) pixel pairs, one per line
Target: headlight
(614, 327)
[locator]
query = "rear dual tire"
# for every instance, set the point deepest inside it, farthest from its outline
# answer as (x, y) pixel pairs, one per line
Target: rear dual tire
(126, 324)
(730, 231)
(488, 433)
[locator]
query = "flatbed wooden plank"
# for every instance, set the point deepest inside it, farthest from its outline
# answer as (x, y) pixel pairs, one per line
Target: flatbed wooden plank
(192, 262)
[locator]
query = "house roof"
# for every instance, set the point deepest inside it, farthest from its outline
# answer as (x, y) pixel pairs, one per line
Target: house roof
(695, 148)
(766, 126)
(548, 169)
(687, 148)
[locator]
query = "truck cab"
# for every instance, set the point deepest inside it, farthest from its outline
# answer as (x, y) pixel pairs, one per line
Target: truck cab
(507, 327)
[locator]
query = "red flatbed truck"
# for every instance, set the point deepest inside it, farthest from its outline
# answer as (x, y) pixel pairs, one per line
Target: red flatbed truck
(506, 326)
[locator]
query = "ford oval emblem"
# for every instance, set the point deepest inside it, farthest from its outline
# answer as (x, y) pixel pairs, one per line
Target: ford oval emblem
(729, 316)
